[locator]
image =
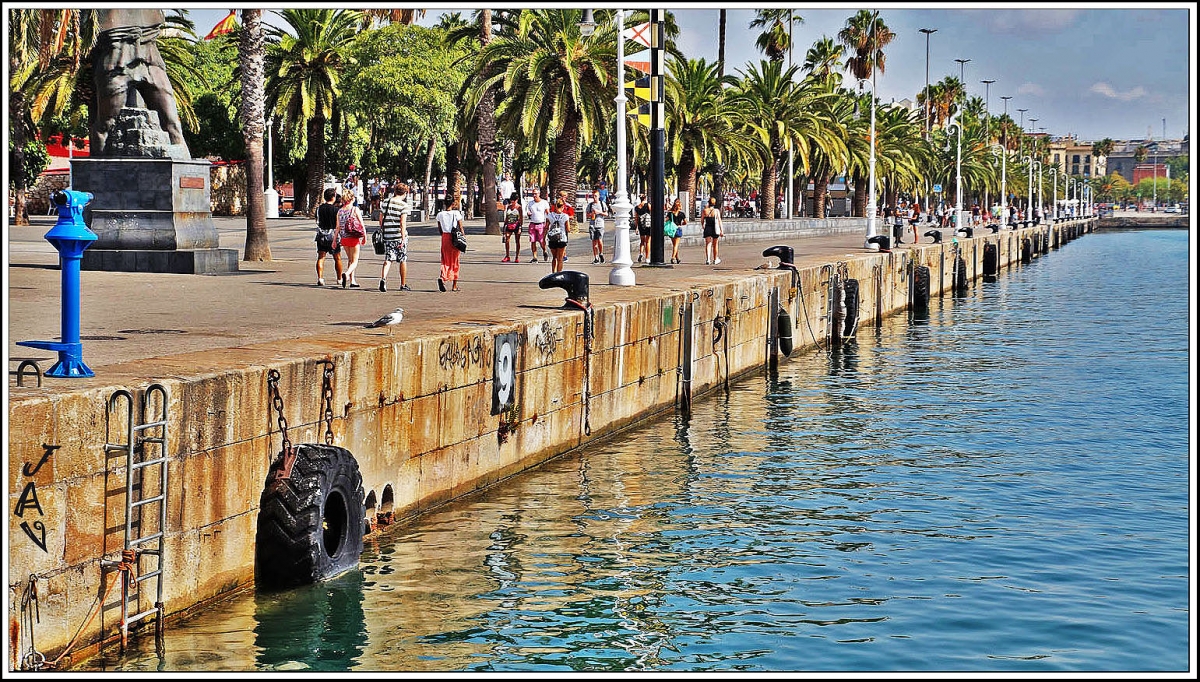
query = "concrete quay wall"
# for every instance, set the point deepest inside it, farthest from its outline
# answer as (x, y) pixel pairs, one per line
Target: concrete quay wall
(418, 414)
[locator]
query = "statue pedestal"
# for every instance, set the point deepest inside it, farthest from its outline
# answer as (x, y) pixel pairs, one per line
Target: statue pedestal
(150, 215)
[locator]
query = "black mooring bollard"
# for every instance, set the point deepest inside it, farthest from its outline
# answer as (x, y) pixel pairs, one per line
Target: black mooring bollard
(785, 254)
(884, 242)
(936, 235)
(574, 283)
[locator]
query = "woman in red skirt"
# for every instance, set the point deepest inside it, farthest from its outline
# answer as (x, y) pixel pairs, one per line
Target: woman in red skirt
(448, 219)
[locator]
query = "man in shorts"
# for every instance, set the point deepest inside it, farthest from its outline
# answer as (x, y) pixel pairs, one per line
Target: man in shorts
(393, 220)
(537, 208)
(595, 212)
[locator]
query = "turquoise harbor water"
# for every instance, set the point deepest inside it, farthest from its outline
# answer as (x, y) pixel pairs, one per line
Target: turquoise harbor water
(1002, 487)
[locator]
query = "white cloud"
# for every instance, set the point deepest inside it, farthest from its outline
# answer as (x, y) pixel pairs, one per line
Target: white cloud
(1031, 89)
(1030, 21)
(1102, 88)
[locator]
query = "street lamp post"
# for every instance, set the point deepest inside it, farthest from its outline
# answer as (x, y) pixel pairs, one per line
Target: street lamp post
(1029, 199)
(1021, 141)
(621, 274)
(958, 189)
(791, 172)
(868, 244)
(1054, 181)
(927, 32)
(987, 130)
(1041, 197)
(1004, 159)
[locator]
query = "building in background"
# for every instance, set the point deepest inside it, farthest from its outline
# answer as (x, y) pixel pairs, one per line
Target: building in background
(1123, 158)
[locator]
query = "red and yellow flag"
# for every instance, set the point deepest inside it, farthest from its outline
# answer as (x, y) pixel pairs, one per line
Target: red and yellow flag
(223, 26)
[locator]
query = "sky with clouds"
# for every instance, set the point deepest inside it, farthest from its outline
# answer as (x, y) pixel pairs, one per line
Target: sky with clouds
(1092, 70)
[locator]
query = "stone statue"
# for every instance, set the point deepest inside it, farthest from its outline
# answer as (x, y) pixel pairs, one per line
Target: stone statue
(136, 114)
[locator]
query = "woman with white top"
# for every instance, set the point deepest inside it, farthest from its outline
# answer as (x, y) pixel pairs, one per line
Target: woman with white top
(448, 219)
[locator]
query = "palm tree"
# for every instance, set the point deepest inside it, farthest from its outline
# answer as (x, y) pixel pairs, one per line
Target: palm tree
(866, 35)
(698, 119)
(778, 111)
(824, 61)
(251, 55)
(776, 39)
(556, 84)
(408, 17)
(303, 70)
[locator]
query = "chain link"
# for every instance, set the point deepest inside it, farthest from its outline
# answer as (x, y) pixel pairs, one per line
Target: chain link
(327, 393)
(277, 403)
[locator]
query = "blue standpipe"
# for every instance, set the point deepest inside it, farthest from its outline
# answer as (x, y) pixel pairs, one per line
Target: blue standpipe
(70, 236)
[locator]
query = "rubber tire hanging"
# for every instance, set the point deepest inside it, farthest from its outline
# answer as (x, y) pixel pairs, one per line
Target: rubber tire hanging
(310, 523)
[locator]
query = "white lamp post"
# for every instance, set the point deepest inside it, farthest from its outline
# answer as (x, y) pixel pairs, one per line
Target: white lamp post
(621, 274)
(271, 197)
(871, 189)
(1029, 200)
(1054, 180)
(958, 189)
(1041, 197)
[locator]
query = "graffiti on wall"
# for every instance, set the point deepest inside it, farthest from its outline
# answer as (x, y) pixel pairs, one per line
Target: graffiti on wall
(548, 338)
(29, 500)
(451, 354)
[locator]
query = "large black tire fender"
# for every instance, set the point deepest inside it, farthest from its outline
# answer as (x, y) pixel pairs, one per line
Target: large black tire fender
(310, 524)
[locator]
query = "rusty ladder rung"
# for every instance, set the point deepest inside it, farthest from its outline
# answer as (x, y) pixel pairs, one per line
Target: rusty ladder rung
(148, 500)
(148, 462)
(143, 614)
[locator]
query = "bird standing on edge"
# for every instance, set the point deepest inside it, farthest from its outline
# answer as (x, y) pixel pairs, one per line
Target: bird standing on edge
(388, 320)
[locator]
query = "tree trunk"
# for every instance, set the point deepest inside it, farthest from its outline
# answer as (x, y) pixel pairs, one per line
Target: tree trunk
(19, 181)
(315, 162)
(454, 176)
(472, 197)
(861, 189)
(687, 179)
(820, 192)
(770, 178)
(252, 52)
(563, 159)
(485, 125)
(428, 193)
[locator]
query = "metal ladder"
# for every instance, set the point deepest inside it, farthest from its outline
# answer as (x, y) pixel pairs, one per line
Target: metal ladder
(143, 537)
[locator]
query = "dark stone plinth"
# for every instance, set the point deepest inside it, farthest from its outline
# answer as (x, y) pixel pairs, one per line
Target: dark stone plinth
(143, 205)
(181, 261)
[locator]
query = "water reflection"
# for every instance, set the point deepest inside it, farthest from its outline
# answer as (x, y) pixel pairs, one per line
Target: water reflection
(318, 627)
(929, 498)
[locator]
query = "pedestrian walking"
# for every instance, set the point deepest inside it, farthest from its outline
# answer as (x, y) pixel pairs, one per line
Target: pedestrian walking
(536, 210)
(673, 228)
(713, 231)
(642, 215)
(393, 220)
(556, 233)
(352, 234)
(327, 240)
(448, 219)
(512, 228)
(604, 197)
(595, 212)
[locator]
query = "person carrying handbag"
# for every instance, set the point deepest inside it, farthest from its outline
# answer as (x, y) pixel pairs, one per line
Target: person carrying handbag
(673, 228)
(353, 235)
(393, 225)
(449, 220)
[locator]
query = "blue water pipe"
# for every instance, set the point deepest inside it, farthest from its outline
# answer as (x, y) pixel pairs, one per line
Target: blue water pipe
(70, 236)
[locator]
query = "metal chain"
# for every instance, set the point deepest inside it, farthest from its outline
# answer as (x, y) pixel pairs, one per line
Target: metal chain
(327, 393)
(277, 403)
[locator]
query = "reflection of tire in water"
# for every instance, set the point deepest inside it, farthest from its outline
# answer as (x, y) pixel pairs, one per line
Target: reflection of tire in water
(317, 627)
(310, 524)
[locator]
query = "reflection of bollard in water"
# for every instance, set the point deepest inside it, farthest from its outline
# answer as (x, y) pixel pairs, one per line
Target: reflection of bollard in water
(70, 236)
(575, 284)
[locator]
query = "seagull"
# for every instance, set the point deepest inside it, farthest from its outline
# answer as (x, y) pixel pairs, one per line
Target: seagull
(391, 318)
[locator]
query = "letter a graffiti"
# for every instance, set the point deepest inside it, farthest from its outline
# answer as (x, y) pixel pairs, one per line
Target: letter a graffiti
(28, 499)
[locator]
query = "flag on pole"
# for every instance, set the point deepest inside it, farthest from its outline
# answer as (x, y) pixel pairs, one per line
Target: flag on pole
(640, 88)
(223, 26)
(643, 115)
(638, 34)
(639, 61)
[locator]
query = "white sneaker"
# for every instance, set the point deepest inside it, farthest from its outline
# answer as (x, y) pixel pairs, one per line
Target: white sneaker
(320, 282)
(717, 262)
(708, 261)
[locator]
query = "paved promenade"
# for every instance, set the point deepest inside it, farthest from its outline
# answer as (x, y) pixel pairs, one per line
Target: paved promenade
(131, 316)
